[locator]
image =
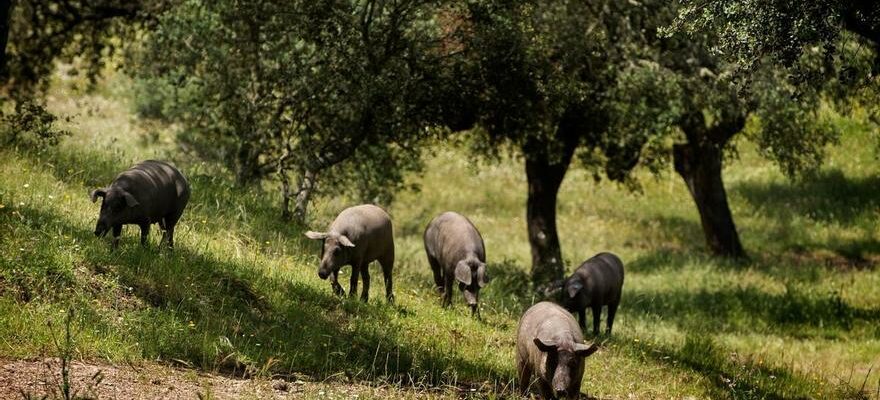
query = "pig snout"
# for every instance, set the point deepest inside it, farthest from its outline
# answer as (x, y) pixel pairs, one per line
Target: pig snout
(323, 272)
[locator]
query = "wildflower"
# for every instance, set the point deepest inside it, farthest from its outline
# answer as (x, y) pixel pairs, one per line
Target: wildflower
(27, 185)
(2, 206)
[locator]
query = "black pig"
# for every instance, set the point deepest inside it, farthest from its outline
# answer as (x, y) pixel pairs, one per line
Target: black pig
(148, 193)
(597, 282)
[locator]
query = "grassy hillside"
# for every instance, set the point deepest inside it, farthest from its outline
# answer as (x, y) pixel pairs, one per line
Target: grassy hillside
(240, 293)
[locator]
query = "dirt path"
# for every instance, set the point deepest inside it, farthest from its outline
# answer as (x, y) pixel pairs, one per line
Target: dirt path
(36, 378)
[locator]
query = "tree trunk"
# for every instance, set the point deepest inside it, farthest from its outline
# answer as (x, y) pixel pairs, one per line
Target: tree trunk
(304, 192)
(285, 197)
(544, 177)
(247, 169)
(700, 166)
(5, 11)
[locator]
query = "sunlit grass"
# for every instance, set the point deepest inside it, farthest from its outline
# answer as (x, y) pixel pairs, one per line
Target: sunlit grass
(240, 294)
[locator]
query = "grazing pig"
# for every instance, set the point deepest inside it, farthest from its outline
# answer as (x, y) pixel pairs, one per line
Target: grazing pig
(550, 345)
(456, 253)
(358, 236)
(596, 283)
(147, 193)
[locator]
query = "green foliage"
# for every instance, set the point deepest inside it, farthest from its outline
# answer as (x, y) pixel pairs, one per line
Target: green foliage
(335, 88)
(42, 32)
(30, 128)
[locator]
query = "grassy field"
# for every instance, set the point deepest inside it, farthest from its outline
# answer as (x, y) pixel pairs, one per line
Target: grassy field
(240, 294)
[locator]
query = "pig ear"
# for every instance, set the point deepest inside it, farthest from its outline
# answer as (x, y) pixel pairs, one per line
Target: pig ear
(573, 288)
(343, 240)
(129, 199)
(463, 273)
(482, 277)
(97, 193)
(545, 345)
(583, 350)
(316, 235)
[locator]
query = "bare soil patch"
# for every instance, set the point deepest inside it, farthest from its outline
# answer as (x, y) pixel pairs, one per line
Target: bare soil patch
(93, 380)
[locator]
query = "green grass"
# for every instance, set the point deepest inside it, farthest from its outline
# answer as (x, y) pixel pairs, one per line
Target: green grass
(240, 293)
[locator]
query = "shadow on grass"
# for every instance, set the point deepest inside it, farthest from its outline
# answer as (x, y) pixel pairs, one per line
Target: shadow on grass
(231, 316)
(828, 197)
(732, 376)
(215, 202)
(796, 312)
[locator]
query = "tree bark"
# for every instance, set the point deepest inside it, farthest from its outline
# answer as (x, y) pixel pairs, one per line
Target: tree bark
(247, 169)
(545, 175)
(5, 11)
(304, 191)
(699, 162)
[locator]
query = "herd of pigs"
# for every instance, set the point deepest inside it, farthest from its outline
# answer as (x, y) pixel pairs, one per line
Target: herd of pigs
(550, 344)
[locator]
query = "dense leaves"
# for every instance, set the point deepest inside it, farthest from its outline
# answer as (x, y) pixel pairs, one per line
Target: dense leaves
(329, 87)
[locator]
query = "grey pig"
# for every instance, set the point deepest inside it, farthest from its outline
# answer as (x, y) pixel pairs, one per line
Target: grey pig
(550, 346)
(456, 253)
(597, 282)
(358, 236)
(148, 193)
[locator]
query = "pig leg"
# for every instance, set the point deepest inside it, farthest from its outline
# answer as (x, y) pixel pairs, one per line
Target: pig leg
(117, 231)
(334, 283)
(612, 309)
(447, 291)
(169, 222)
(524, 375)
(365, 276)
(438, 273)
(170, 232)
(387, 264)
(582, 319)
(353, 281)
(145, 231)
(597, 314)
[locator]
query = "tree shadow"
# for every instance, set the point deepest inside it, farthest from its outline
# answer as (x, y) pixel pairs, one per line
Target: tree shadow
(830, 196)
(227, 315)
(731, 375)
(799, 313)
(215, 203)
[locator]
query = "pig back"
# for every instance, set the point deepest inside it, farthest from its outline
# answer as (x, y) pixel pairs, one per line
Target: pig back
(451, 237)
(160, 188)
(368, 227)
(603, 277)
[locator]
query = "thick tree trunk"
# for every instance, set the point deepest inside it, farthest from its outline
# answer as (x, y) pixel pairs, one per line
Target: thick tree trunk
(545, 175)
(699, 163)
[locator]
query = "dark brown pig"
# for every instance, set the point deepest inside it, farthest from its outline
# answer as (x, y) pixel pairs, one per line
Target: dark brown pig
(550, 347)
(358, 236)
(456, 253)
(152, 192)
(596, 283)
